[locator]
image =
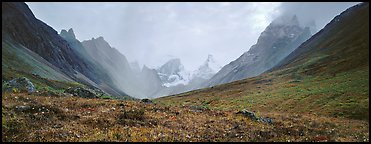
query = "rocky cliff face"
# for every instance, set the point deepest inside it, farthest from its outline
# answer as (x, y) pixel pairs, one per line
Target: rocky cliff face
(64, 53)
(136, 83)
(97, 72)
(20, 25)
(177, 80)
(112, 61)
(278, 40)
(172, 73)
(150, 81)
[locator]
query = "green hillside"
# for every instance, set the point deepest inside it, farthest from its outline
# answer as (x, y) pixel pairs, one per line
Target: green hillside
(327, 75)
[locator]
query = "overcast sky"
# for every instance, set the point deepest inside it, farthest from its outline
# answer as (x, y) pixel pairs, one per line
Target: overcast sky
(152, 33)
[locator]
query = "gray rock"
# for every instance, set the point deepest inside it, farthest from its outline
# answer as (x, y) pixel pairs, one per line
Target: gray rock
(252, 116)
(21, 84)
(146, 101)
(22, 108)
(266, 120)
(82, 92)
(198, 108)
(248, 114)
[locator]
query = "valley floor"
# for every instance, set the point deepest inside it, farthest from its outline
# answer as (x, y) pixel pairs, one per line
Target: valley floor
(50, 118)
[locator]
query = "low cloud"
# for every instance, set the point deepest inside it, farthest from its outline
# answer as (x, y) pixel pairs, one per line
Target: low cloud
(152, 33)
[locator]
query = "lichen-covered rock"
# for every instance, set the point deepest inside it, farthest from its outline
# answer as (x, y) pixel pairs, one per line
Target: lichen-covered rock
(22, 108)
(81, 92)
(266, 120)
(19, 84)
(85, 92)
(252, 116)
(248, 114)
(146, 101)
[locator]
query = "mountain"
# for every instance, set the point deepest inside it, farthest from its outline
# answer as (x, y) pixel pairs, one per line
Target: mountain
(125, 76)
(278, 40)
(17, 59)
(204, 72)
(99, 73)
(113, 62)
(172, 73)
(135, 67)
(20, 25)
(208, 69)
(150, 82)
(326, 76)
(177, 80)
(343, 45)
(40, 51)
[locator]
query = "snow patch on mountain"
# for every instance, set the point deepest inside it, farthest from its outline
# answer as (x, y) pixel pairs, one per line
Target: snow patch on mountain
(173, 73)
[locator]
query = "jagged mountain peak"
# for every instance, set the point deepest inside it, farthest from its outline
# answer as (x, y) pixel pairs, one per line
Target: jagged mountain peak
(210, 58)
(207, 69)
(100, 38)
(278, 40)
(174, 61)
(70, 31)
(99, 42)
(173, 73)
(287, 20)
(145, 68)
(173, 66)
(67, 34)
(211, 63)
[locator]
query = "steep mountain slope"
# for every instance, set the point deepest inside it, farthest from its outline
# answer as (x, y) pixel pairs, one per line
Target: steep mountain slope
(140, 84)
(20, 25)
(278, 40)
(100, 75)
(343, 45)
(20, 28)
(328, 75)
(16, 58)
(112, 61)
(150, 82)
(135, 67)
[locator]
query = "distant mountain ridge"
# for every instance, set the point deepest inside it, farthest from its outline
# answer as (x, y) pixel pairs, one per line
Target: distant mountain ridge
(278, 40)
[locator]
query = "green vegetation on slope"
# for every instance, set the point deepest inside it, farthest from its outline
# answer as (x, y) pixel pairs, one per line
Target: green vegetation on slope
(327, 75)
(344, 95)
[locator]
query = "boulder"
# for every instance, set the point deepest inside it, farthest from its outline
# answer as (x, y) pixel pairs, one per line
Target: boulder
(19, 84)
(266, 120)
(82, 92)
(252, 116)
(248, 114)
(146, 101)
(198, 108)
(22, 108)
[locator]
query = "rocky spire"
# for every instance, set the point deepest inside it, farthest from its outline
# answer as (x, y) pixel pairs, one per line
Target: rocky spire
(68, 35)
(71, 33)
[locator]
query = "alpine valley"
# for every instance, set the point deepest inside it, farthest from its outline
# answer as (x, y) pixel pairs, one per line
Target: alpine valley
(293, 84)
